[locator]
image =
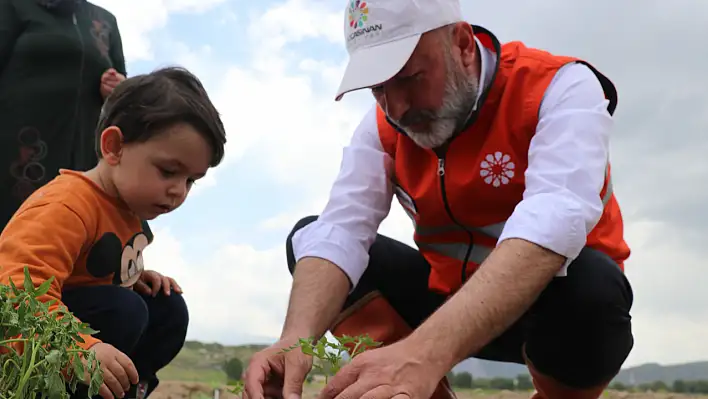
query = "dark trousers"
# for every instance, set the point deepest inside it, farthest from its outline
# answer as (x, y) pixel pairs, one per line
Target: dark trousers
(150, 330)
(578, 331)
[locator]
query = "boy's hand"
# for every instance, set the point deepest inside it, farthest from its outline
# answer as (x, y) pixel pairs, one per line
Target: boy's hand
(151, 281)
(109, 81)
(118, 371)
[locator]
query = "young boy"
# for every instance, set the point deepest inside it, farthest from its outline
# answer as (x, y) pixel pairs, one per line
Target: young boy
(158, 134)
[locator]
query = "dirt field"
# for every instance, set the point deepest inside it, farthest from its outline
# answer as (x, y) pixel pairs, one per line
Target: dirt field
(186, 390)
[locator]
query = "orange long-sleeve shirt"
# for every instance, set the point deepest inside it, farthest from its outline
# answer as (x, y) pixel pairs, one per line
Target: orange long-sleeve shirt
(72, 230)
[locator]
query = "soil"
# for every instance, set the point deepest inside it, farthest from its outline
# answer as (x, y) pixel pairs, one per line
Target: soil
(188, 390)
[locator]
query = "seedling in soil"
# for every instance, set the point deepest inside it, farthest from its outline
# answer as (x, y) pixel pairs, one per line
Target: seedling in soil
(329, 362)
(39, 352)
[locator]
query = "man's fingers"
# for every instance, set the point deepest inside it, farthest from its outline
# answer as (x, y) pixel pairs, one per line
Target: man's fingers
(295, 372)
(380, 392)
(255, 379)
(346, 376)
(128, 367)
(357, 390)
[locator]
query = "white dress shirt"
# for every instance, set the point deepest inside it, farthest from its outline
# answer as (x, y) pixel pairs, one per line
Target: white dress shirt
(561, 202)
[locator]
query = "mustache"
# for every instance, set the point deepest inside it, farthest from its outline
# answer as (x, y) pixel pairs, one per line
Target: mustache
(414, 117)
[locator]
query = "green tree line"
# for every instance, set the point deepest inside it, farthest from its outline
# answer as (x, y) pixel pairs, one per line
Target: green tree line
(465, 380)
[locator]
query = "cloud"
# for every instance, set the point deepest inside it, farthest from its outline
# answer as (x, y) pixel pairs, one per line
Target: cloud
(229, 298)
(280, 103)
(286, 134)
(137, 19)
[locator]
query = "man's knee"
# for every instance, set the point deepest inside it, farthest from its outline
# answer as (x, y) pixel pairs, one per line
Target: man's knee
(582, 322)
(594, 286)
(289, 240)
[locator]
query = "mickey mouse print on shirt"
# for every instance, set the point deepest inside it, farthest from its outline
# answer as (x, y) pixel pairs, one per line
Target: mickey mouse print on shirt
(109, 256)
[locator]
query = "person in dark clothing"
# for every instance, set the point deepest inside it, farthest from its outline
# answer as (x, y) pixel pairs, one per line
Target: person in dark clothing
(59, 59)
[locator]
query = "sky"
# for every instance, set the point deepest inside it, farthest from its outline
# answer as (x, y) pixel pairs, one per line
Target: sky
(272, 68)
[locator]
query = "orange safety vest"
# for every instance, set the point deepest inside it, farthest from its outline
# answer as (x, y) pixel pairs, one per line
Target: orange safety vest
(459, 201)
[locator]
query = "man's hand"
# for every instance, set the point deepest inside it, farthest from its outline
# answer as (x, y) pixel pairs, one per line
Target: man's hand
(273, 374)
(118, 371)
(109, 81)
(392, 371)
(318, 293)
(151, 282)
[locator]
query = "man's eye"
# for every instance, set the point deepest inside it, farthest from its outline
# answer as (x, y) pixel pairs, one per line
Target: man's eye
(415, 76)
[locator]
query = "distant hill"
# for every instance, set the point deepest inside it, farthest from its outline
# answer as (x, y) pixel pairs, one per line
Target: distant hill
(203, 362)
(668, 373)
(646, 373)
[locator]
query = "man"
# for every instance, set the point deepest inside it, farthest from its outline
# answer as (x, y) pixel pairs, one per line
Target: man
(499, 155)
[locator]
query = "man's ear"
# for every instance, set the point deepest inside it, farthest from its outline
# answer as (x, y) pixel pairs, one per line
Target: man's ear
(463, 39)
(112, 144)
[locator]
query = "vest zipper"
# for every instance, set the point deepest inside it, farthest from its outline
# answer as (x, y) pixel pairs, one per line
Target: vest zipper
(441, 173)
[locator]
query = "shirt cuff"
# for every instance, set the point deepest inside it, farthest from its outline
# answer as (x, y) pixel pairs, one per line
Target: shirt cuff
(330, 242)
(552, 221)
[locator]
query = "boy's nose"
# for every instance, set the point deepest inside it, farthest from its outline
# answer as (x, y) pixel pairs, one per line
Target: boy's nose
(177, 192)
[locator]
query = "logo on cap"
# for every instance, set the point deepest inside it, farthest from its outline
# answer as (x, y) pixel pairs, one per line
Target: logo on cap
(358, 13)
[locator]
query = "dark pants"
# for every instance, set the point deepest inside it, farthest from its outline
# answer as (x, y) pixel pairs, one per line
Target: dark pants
(150, 330)
(578, 331)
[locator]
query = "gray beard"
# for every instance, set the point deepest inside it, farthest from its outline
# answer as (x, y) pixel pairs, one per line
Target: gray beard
(459, 99)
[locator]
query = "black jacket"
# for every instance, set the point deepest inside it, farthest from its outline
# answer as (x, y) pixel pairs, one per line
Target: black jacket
(51, 62)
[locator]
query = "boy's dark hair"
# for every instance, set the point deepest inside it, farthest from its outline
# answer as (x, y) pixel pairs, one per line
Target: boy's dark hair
(143, 105)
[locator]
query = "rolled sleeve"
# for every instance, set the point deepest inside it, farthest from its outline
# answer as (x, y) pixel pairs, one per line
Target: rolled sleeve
(360, 199)
(567, 165)
(333, 243)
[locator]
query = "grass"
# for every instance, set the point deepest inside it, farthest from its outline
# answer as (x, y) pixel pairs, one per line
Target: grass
(209, 376)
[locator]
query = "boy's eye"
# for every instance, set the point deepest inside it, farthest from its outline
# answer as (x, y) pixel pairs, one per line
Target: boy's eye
(166, 172)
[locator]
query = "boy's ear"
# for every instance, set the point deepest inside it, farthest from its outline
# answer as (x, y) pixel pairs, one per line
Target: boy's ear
(112, 145)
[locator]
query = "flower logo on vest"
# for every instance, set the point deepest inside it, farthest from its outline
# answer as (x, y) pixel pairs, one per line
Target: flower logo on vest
(497, 169)
(358, 13)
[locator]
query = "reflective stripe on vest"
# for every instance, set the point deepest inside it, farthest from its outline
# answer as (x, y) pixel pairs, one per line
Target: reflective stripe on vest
(479, 252)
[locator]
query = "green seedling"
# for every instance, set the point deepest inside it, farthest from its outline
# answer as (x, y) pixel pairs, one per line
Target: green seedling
(327, 355)
(39, 352)
(331, 361)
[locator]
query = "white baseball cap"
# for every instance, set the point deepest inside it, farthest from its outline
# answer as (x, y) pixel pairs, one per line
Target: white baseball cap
(382, 34)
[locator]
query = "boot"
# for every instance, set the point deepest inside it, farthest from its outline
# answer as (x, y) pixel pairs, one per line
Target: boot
(549, 388)
(373, 315)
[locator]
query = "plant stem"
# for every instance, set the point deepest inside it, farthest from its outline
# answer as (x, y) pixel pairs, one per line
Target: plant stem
(27, 368)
